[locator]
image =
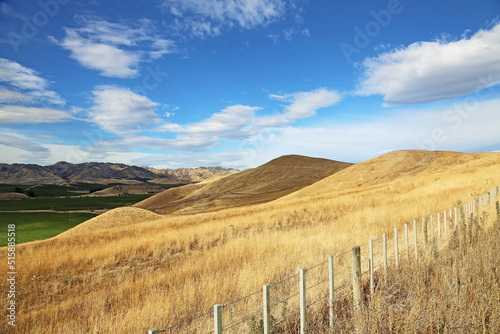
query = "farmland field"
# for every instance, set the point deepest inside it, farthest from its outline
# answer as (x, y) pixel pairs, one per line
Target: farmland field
(55, 190)
(39, 226)
(73, 203)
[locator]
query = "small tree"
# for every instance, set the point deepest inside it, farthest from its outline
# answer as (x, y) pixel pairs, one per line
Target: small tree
(18, 190)
(30, 193)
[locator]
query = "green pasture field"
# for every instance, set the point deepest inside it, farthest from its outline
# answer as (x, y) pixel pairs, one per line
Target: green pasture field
(72, 203)
(39, 226)
(54, 190)
(10, 188)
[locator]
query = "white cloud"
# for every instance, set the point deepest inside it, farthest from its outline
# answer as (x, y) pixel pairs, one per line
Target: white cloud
(227, 124)
(30, 150)
(110, 60)
(202, 18)
(240, 122)
(460, 127)
(279, 97)
(10, 114)
(127, 114)
(11, 96)
(114, 49)
(121, 111)
(431, 71)
(305, 104)
(274, 37)
(288, 34)
(28, 82)
(134, 143)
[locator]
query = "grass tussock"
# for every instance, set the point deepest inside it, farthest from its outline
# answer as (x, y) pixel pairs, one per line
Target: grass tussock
(136, 276)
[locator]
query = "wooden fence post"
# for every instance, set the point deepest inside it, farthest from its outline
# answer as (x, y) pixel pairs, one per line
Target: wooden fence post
(407, 245)
(267, 309)
(384, 245)
(462, 215)
(218, 319)
(331, 281)
(416, 238)
(153, 331)
(396, 247)
(445, 223)
(439, 225)
(424, 231)
(455, 222)
(372, 279)
(356, 277)
(303, 305)
(432, 228)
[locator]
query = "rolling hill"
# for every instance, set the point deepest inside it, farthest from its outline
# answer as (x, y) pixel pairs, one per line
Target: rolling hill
(120, 190)
(118, 217)
(277, 178)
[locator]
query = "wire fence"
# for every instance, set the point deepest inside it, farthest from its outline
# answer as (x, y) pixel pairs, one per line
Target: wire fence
(409, 242)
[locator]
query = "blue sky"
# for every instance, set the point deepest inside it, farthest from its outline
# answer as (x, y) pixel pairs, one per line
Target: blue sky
(187, 83)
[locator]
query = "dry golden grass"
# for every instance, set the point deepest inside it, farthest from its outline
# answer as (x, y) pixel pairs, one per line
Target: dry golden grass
(158, 273)
(118, 217)
(454, 289)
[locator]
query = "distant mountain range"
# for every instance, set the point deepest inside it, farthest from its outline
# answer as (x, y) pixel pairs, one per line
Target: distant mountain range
(98, 172)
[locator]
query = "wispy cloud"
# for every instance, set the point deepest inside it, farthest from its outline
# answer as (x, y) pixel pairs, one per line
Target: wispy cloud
(31, 150)
(431, 71)
(228, 124)
(205, 18)
(305, 104)
(26, 97)
(455, 128)
(25, 85)
(240, 122)
(10, 114)
(114, 49)
(121, 111)
(133, 119)
(12, 96)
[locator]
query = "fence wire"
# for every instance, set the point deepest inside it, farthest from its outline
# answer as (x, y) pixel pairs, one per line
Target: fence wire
(245, 315)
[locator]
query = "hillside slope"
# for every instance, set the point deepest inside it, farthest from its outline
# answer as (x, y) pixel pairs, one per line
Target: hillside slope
(268, 182)
(118, 217)
(127, 189)
(398, 168)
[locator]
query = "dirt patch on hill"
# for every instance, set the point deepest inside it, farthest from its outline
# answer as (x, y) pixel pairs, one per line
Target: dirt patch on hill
(12, 196)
